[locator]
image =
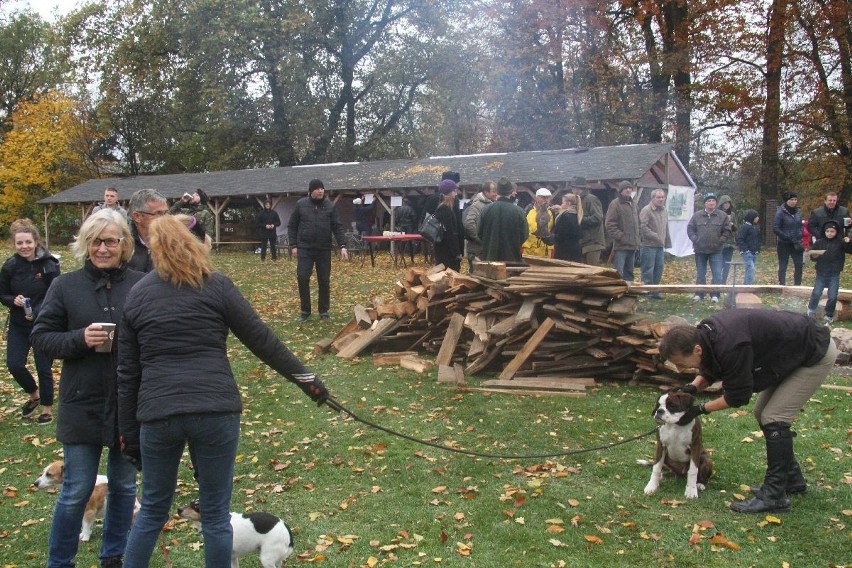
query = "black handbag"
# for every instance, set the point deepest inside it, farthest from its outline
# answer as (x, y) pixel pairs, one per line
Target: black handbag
(431, 229)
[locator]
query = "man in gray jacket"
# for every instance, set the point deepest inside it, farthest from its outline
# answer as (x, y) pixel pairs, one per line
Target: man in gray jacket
(654, 240)
(471, 219)
(709, 230)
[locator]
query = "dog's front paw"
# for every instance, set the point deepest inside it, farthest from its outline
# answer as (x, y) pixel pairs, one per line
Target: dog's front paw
(651, 488)
(691, 493)
(85, 537)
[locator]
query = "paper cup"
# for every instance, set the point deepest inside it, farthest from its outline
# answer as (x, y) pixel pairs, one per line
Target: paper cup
(107, 346)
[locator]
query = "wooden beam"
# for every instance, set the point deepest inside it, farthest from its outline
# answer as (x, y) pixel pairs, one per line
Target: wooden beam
(519, 359)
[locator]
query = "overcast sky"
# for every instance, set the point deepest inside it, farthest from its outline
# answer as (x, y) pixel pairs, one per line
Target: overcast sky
(45, 8)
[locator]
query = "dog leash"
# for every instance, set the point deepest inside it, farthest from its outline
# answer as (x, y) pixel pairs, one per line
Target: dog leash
(337, 407)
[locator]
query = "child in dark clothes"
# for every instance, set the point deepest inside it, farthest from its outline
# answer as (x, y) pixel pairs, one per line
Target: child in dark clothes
(748, 241)
(829, 252)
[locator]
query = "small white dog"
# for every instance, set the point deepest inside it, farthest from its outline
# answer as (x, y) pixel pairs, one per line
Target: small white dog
(680, 448)
(53, 475)
(262, 532)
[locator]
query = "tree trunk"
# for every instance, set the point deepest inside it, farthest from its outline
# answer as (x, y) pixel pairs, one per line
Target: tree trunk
(770, 162)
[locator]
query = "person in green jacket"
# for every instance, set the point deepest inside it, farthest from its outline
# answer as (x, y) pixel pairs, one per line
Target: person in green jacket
(502, 226)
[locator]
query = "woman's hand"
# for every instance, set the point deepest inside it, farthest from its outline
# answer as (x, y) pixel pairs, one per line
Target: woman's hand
(19, 301)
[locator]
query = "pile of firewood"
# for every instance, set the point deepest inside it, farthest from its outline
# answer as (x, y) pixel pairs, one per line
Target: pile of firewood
(552, 326)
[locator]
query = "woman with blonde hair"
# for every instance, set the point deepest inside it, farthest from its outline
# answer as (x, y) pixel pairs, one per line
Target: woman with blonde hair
(176, 386)
(69, 327)
(566, 229)
(24, 279)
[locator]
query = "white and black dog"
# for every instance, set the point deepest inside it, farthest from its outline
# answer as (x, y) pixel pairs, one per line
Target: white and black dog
(680, 447)
(262, 532)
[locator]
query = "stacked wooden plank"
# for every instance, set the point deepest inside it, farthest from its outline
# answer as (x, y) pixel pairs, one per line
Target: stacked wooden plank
(553, 326)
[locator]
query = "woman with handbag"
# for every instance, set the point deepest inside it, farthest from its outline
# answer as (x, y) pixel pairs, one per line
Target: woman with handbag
(787, 226)
(448, 251)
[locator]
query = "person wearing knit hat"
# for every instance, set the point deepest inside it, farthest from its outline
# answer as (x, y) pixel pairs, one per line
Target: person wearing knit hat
(709, 230)
(787, 226)
(312, 224)
(267, 222)
(447, 186)
(502, 226)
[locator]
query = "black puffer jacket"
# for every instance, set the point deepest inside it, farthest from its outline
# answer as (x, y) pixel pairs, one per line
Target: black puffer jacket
(753, 350)
(30, 279)
(87, 410)
(141, 259)
(173, 350)
(312, 224)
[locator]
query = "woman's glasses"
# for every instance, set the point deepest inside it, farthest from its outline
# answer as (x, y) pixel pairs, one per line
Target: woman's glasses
(109, 243)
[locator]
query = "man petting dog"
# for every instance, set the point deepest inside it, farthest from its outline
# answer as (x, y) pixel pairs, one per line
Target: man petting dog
(780, 355)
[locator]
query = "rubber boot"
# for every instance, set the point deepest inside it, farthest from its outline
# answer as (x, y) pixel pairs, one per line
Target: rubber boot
(795, 479)
(779, 454)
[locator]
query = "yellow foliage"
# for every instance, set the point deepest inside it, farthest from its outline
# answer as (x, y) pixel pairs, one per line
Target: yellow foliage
(44, 153)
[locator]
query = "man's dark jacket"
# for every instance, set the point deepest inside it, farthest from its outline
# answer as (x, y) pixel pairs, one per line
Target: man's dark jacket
(821, 214)
(503, 230)
(753, 350)
(268, 217)
(312, 224)
(141, 259)
(87, 385)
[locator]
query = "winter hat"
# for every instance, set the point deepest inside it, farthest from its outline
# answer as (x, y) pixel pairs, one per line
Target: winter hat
(505, 187)
(831, 223)
(709, 196)
(788, 195)
(543, 192)
(624, 185)
(750, 215)
(315, 184)
(578, 182)
(356, 201)
(455, 176)
(447, 186)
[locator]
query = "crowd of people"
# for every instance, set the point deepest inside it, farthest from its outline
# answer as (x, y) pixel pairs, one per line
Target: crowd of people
(147, 271)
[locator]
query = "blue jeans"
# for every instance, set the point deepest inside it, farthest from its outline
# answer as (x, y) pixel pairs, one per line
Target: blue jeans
(213, 440)
(81, 469)
(715, 261)
(17, 350)
(651, 260)
(624, 261)
(750, 264)
(308, 258)
(821, 282)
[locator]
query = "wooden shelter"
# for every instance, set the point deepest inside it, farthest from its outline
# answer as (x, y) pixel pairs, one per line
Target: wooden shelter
(649, 166)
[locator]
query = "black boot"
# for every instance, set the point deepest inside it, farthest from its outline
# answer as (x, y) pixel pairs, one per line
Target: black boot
(772, 497)
(795, 479)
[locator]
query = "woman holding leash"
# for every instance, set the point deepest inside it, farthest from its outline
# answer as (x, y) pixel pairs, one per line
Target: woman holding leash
(782, 356)
(24, 280)
(69, 328)
(176, 387)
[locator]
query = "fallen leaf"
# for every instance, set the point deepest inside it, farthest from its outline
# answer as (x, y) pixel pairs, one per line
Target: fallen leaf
(593, 539)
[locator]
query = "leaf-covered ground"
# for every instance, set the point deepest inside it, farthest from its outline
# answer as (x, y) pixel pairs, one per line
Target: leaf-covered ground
(358, 497)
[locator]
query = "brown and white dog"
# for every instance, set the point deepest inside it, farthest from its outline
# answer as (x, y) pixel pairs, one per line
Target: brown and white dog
(680, 448)
(53, 475)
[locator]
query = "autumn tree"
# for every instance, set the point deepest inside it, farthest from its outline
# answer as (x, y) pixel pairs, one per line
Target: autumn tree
(48, 150)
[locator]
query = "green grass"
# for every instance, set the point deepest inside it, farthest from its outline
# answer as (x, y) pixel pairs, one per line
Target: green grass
(357, 497)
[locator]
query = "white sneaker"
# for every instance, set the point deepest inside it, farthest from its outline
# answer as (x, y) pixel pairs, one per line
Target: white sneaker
(812, 313)
(697, 298)
(714, 299)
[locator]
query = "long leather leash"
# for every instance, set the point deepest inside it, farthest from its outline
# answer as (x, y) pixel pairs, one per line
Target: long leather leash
(337, 407)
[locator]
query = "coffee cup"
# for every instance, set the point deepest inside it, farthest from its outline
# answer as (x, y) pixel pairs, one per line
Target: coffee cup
(106, 346)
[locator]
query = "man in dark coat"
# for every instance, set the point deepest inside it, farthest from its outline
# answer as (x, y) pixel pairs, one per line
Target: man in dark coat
(503, 226)
(145, 206)
(268, 222)
(830, 211)
(783, 356)
(310, 229)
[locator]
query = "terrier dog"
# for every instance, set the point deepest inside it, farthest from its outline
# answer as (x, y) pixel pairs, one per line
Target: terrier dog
(680, 448)
(262, 532)
(53, 475)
